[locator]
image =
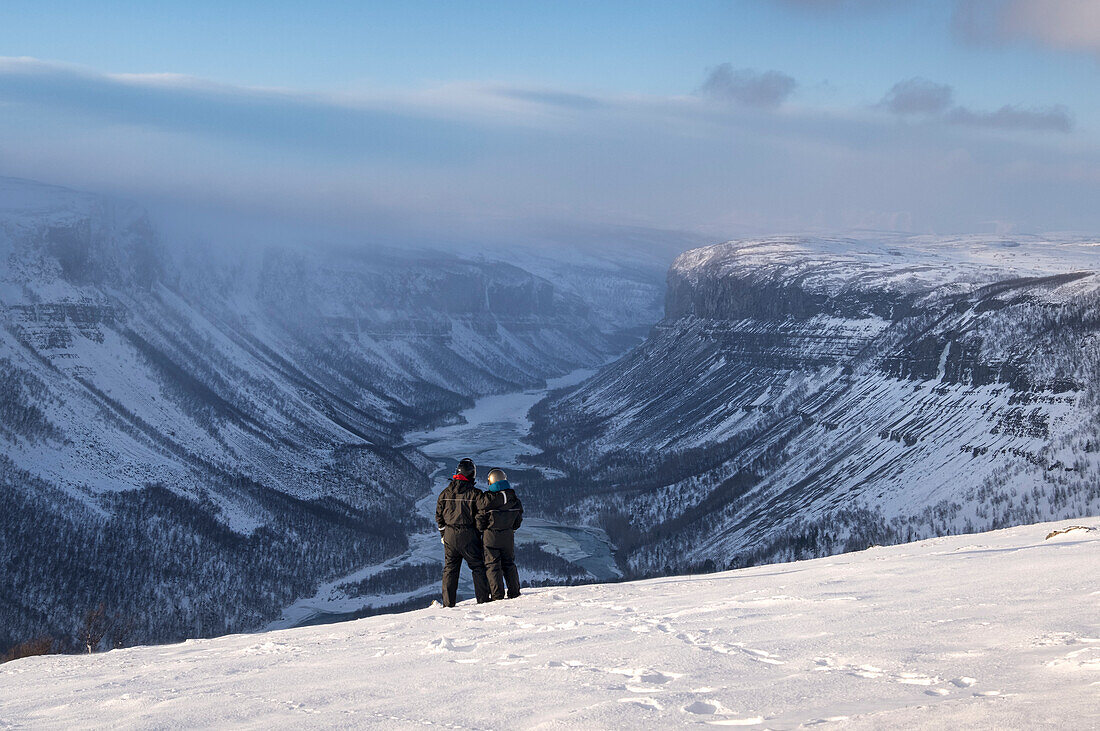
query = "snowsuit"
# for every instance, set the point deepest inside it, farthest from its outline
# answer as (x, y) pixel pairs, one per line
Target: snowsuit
(456, 516)
(499, 514)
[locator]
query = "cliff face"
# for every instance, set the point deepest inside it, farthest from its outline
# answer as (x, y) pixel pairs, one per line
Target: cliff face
(197, 436)
(803, 397)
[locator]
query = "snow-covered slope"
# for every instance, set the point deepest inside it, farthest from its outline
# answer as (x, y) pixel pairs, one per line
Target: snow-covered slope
(808, 396)
(988, 631)
(199, 434)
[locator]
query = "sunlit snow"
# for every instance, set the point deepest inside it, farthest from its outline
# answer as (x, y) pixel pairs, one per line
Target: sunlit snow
(995, 630)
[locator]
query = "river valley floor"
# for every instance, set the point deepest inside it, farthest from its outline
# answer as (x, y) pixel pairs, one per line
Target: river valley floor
(492, 433)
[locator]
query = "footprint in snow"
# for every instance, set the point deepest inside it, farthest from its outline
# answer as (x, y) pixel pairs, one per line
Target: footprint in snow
(964, 682)
(915, 679)
(865, 671)
(1056, 638)
(1086, 657)
(644, 680)
(763, 656)
(567, 664)
(446, 644)
(751, 721)
(643, 702)
(270, 648)
(511, 658)
(714, 708)
(827, 719)
(657, 677)
(704, 708)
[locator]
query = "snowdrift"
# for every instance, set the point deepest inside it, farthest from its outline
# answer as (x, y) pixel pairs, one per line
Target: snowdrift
(991, 630)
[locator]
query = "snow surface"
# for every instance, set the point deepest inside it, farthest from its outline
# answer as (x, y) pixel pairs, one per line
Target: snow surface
(994, 630)
(898, 262)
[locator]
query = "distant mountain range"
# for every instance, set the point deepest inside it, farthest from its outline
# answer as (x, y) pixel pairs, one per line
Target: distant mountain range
(196, 435)
(807, 396)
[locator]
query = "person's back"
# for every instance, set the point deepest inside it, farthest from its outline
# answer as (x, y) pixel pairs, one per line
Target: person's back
(500, 514)
(456, 517)
(457, 504)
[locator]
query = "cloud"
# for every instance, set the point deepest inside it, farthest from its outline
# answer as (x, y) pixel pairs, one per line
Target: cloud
(550, 97)
(1072, 25)
(1057, 119)
(748, 87)
(182, 104)
(919, 96)
(470, 161)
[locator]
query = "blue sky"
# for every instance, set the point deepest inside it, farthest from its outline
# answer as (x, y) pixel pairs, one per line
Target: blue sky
(720, 117)
(608, 46)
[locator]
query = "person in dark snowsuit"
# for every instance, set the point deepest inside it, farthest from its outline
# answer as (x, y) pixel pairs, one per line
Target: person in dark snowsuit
(456, 516)
(499, 514)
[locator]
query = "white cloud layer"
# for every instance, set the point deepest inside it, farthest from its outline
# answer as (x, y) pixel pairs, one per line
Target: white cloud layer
(467, 161)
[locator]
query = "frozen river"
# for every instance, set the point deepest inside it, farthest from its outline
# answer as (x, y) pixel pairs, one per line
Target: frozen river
(492, 433)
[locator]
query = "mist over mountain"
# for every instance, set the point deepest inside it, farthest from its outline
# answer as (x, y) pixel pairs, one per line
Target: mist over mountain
(197, 435)
(202, 431)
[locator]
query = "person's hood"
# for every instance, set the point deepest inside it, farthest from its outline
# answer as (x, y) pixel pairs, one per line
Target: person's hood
(499, 485)
(462, 484)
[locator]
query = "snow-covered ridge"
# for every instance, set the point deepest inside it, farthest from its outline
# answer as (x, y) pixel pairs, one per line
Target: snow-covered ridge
(808, 396)
(986, 631)
(850, 276)
(921, 259)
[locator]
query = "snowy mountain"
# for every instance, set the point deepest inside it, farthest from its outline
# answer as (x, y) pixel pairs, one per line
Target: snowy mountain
(197, 435)
(989, 631)
(803, 397)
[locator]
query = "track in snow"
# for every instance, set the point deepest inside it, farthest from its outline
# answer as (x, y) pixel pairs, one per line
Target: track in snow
(990, 630)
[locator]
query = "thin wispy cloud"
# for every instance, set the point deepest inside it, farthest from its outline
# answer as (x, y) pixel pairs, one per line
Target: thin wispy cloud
(551, 97)
(1055, 119)
(454, 162)
(264, 116)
